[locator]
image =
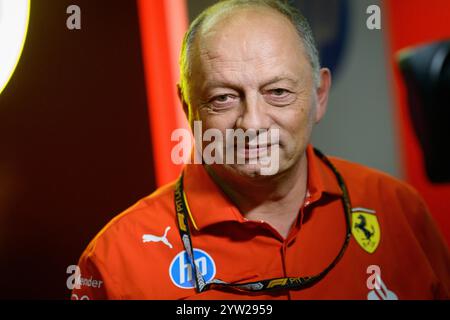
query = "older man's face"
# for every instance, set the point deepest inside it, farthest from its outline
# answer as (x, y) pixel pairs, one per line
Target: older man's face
(250, 71)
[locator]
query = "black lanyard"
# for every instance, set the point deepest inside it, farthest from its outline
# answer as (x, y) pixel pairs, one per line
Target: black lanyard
(292, 283)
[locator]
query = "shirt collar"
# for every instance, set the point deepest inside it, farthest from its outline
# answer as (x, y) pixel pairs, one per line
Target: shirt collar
(321, 179)
(207, 202)
(209, 205)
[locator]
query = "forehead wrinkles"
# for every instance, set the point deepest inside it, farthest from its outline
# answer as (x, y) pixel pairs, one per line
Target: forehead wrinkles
(224, 58)
(238, 74)
(239, 57)
(248, 33)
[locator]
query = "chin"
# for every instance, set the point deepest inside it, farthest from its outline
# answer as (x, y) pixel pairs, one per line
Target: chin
(246, 170)
(252, 171)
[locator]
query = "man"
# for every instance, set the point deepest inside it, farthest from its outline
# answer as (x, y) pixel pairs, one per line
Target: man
(314, 229)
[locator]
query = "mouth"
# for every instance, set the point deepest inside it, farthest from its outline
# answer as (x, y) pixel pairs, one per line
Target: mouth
(255, 151)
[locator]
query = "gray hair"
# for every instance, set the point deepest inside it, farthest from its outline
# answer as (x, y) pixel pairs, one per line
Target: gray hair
(293, 14)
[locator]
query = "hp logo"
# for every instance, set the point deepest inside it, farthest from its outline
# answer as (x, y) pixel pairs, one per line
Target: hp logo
(181, 272)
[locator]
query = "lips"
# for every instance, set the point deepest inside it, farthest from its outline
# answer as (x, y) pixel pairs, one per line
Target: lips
(250, 152)
(255, 152)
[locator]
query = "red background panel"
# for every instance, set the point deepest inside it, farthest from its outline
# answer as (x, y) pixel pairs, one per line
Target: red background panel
(410, 23)
(162, 25)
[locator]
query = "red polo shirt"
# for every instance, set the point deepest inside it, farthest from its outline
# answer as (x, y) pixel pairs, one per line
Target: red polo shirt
(395, 250)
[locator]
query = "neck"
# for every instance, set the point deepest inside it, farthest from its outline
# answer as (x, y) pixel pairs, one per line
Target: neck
(275, 200)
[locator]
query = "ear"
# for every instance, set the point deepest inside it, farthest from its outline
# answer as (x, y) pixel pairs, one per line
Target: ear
(182, 100)
(322, 93)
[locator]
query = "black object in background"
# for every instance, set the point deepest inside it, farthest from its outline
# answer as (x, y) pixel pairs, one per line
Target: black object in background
(426, 71)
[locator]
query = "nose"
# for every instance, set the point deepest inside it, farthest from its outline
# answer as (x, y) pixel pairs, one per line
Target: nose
(254, 115)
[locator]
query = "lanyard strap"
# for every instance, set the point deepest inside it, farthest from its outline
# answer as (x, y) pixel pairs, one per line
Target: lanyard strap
(291, 283)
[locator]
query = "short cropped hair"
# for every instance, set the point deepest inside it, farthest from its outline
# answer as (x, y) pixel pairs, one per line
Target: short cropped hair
(293, 14)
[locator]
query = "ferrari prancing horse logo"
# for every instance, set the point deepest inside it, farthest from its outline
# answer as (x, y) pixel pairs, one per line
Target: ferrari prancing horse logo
(365, 229)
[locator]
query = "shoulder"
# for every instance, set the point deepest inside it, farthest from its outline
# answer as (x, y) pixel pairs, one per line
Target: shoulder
(148, 215)
(398, 206)
(366, 182)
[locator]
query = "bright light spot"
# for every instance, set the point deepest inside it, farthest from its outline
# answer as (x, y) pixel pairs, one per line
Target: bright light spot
(14, 17)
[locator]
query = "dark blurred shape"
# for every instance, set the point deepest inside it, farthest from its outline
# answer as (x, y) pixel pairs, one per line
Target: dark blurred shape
(331, 29)
(426, 71)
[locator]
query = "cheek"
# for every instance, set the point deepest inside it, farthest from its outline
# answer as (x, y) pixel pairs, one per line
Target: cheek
(297, 124)
(223, 121)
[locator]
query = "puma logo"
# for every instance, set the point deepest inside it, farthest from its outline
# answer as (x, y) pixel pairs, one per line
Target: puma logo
(152, 238)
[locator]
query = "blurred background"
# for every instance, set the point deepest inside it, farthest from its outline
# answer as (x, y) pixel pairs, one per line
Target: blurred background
(86, 118)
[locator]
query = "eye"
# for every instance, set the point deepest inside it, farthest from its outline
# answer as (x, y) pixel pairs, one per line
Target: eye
(222, 98)
(223, 101)
(279, 97)
(279, 92)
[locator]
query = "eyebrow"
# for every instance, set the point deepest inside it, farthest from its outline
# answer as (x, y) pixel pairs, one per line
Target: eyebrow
(280, 78)
(218, 83)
